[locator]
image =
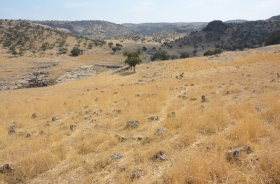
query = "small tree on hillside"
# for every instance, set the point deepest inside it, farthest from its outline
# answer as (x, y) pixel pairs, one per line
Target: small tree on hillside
(110, 44)
(161, 55)
(184, 55)
(76, 51)
(133, 58)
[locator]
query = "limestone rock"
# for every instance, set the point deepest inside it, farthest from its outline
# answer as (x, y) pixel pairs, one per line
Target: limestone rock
(154, 118)
(160, 130)
(12, 129)
(137, 173)
(132, 124)
(160, 156)
(116, 156)
(55, 118)
(73, 127)
(234, 153)
(121, 138)
(6, 168)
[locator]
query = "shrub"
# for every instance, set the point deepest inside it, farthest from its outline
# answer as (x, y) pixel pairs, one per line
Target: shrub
(76, 51)
(161, 55)
(184, 55)
(273, 38)
(210, 52)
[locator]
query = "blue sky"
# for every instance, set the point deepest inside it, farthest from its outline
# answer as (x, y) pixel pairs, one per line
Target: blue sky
(136, 11)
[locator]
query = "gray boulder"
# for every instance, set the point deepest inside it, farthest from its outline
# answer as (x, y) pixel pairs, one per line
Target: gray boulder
(55, 118)
(12, 129)
(116, 156)
(153, 118)
(132, 124)
(6, 168)
(137, 173)
(73, 127)
(234, 153)
(160, 156)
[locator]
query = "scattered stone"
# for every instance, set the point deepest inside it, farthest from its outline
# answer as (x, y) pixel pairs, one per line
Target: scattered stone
(203, 98)
(234, 153)
(259, 108)
(116, 156)
(153, 118)
(6, 168)
(132, 124)
(137, 95)
(34, 115)
(121, 138)
(42, 132)
(192, 84)
(28, 134)
(73, 127)
(278, 75)
(137, 173)
(171, 115)
(193, 99)
(160, 156)
(55, 118)
(115, 93)
(47, 124)
(12, 129)
(160, 130)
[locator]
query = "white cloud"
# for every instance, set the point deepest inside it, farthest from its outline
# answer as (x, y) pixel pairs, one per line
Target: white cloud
(74, 5)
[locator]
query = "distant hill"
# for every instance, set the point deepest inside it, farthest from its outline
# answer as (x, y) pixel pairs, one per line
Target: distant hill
(150, 28)
(165, 35)
(93, 28)
(236, 21)
(229, 36)
(277, 17)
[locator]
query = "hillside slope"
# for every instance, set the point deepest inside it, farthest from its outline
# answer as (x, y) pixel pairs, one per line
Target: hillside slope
(93, 29)
(150, 28)
(232, 36)
(191, 141)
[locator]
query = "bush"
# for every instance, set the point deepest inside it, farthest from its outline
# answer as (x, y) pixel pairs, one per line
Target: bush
(161, 55)
(210, 52)
(76, 51)
(184, 55)
(63, 50)
(273, 38)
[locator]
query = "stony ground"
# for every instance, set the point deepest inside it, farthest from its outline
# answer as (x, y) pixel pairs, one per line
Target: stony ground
(199, 120)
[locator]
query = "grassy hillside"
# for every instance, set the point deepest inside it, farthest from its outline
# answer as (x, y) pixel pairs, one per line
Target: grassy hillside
(242, 108)
(94, 28)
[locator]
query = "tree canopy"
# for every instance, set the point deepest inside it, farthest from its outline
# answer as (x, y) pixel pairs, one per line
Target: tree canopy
(273, 38)
(161, 55)
(133, 58)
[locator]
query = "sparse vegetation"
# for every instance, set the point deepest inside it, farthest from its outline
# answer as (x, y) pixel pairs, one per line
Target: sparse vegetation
(210, 52)
(160, 55)
(184, 55)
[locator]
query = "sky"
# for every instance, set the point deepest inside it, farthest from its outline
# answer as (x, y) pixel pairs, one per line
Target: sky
(137, 11)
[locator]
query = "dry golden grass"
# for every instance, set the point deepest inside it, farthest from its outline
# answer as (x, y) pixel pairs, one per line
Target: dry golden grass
(242, 108)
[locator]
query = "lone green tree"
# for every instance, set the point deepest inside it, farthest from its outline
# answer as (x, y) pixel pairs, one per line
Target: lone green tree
(76, 51)
(133, 58)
